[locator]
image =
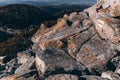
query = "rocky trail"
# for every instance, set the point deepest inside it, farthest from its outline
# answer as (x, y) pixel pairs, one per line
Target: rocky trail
(81, 46)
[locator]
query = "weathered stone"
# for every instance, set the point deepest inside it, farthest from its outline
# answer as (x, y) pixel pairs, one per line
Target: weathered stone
(52, 44)
(82, 16)
(118, 69)
(86, 22)
(109, 3)
(91, 77)
(115, 10)
(23, 57)
(55, 60)
(65, 16)
(24, 68)
(11, 66)
(4, 74)
(76, 24)
(73, 16)
(12, 77)
(48, 36)
(116, 61)
(92, 11)
(95, 54)
(78, 17)
(76, 41)
(29, 75)
(108, 29)
(2, 58)
(62, 77)
(110, 75)
(40, 38)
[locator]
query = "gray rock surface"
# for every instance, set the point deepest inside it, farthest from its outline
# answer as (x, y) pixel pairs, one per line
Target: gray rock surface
(110, 75)
(51, 60)
(62, 77)
(89, 77)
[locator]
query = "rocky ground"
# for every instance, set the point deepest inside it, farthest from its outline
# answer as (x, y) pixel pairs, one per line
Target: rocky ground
(81, 46)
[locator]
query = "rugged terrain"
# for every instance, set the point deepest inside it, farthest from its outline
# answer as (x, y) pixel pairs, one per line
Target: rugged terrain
(81, 46)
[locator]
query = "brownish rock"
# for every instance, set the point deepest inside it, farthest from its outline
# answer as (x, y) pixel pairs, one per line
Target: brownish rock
(56, 61)
(24, 68)
(54, 35)
(95, 54)
(12, 77)
(108, 29)
(76, 41)
(23, 57)
(115, 10)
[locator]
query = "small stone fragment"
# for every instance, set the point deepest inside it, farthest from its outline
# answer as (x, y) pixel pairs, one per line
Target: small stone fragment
(118, 69)
(23, 57)
(110, 75)
(24, 68)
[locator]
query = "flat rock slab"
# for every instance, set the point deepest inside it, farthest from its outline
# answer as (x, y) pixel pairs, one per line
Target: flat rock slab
(95, 54)
(56, 61)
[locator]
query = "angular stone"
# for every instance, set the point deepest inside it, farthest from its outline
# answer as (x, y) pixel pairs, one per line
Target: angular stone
(24, 68)
(73, 16)
(86, 22)
(110, 75)
(62, 77)
(108, 29)
(2, 58)
(78, 17)
(76, 24)
(11, 66)
(91, 77)
(65, 16)
(116, 61)
(23, 57)
(55, 60)
(4, 74)
(115, 10)
(42, 35)
(54, 35)
(82, 16)
(95, 54)
(109, 3)
(12, 77)
(76, 41)
(118, 69)
(52, 44)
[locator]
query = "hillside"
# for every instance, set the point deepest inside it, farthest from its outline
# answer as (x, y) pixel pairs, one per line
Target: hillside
(21, 15)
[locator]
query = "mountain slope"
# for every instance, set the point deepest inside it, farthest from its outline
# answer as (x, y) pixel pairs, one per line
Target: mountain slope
(21, 15)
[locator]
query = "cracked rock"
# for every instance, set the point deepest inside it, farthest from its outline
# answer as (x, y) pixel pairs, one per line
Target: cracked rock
(56, 61)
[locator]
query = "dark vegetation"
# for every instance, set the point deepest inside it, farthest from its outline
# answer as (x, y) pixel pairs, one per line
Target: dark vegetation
(22, 15)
